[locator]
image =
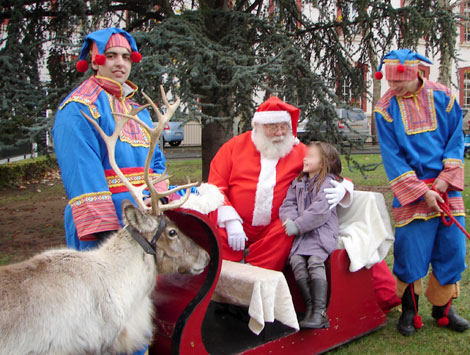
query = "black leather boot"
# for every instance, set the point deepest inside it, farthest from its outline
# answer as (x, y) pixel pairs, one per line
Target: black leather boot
(455, 321)
(318, 318)
(405, 323)
(304, 287)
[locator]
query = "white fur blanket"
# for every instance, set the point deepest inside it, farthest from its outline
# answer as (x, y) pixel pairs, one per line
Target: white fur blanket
(265, 293)
(365, 230)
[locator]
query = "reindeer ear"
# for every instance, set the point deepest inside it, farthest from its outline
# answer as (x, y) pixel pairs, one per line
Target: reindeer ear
(137, 218)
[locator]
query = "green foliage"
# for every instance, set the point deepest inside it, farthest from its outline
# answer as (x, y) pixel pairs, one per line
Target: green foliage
(218, 58)
(217, 61)
(31, 169)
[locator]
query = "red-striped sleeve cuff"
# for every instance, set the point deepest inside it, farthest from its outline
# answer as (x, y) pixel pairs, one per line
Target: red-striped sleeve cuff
(408, 188)
(93, 213)
(453, 174)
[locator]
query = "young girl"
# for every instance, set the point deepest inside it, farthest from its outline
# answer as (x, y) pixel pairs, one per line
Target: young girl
(306, 214)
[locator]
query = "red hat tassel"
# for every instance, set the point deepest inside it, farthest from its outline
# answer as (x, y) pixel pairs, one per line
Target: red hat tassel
(136, 57)
(417, 321)
(401, 68)
(378, 75)
(444, 320)
(100, 59)
(82, 65)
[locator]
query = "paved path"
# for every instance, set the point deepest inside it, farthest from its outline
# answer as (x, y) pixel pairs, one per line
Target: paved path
(182, 152)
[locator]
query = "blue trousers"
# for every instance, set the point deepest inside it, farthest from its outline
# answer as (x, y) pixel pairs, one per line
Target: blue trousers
(421, 243)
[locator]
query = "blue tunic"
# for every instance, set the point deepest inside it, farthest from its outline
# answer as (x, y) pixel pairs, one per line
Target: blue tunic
(94, 191)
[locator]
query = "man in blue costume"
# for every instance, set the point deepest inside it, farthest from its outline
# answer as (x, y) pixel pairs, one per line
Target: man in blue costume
(95, 192)
(419, 126)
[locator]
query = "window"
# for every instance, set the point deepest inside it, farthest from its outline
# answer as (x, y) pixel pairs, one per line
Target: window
(465, 22)
(464, 87)
(4, 25)
(344, 92)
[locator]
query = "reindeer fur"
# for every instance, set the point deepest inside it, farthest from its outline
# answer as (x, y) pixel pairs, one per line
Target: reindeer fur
(93, 302)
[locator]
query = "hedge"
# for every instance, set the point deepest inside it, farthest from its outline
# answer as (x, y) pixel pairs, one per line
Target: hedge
(26, 170)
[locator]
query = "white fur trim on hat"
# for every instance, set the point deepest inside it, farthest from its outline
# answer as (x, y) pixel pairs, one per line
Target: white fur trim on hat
(265, 117)
(265, 192)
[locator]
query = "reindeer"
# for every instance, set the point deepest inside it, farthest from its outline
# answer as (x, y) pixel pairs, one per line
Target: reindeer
(98, 302)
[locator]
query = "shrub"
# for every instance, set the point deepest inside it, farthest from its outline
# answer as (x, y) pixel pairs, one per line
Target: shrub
(26, 170)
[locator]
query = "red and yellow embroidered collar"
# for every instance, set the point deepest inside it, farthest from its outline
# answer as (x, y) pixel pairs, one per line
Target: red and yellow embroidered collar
(115, 88)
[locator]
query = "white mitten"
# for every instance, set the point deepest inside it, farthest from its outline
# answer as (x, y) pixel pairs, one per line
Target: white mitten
(291, 228)
(335, 194)
(236, 235)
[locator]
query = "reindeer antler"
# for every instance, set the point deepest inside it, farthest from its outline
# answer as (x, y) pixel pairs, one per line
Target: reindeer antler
(137, 192)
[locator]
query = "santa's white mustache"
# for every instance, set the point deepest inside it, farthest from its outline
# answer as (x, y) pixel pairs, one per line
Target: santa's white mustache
(277, 139)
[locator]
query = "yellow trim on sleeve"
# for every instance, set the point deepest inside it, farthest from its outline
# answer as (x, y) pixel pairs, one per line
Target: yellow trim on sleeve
(451, 104)
(93, 110)
(384, 114)
(93, 194)
(409, 173)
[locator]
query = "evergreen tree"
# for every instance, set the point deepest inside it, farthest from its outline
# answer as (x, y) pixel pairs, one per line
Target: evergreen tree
(219, 56)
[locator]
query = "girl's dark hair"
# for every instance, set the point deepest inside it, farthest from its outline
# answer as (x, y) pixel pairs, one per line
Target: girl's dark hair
(330, 164)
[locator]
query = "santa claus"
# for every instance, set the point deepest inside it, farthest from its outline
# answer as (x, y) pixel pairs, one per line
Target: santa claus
(253, 171)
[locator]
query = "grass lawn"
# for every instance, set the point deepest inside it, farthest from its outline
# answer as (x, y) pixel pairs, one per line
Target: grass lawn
(430, 339)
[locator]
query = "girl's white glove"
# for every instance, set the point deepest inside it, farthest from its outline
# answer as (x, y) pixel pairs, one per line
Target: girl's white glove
(291, 228)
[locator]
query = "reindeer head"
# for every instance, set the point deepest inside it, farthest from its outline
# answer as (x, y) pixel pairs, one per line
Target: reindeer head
(175, 252)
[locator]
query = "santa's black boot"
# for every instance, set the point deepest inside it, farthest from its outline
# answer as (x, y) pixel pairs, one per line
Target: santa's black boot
(405, 323)
(304, 287)
(318, 318)
(453, 321)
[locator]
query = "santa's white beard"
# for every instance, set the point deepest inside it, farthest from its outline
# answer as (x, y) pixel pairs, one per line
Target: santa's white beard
(275, 147)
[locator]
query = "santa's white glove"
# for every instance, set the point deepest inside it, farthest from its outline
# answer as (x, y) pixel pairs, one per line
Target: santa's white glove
(335, 194)
(291, 228)
(235, 234)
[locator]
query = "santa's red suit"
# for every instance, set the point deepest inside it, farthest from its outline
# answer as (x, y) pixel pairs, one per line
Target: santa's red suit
(255, 187)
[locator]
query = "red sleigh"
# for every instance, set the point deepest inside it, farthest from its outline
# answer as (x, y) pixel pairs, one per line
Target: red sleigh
(188, 322)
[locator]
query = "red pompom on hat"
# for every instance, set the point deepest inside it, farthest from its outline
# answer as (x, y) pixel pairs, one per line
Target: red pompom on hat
(274, 110)
(100, 59)
(378, 75)
(401, 68)
(82, 65)
(136, 57)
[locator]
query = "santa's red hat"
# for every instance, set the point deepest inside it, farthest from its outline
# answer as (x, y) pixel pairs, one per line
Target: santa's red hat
(274, 110)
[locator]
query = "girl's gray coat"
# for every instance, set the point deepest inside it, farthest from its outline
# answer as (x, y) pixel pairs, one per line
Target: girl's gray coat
(318, 225)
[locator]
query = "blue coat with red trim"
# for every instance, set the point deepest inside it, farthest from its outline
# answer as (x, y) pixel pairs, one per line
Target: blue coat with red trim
(421, 139)
(94, 191)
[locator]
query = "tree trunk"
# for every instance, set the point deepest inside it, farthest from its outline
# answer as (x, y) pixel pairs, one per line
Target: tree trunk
(214, 134)
(376, 91)
(445, 63)
(375, 97)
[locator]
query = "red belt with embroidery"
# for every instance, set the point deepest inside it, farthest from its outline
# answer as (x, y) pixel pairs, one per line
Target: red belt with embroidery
(134, 175)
